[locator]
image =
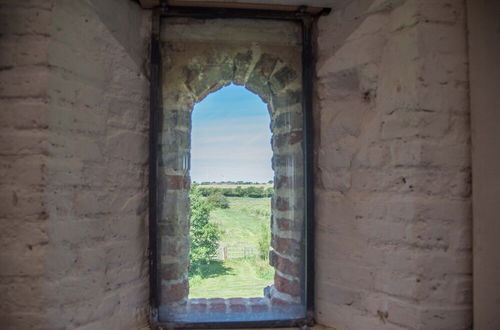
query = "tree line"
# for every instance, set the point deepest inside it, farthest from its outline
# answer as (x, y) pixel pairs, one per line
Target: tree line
(239, 191)
(205, 183)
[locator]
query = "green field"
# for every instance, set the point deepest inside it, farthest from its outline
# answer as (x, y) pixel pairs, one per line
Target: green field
(243, 220)
(243, 224)
(233, 278)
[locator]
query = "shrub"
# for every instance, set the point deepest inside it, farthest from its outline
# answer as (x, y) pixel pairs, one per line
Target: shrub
(254, 192)
(218, 200)
(205, 236)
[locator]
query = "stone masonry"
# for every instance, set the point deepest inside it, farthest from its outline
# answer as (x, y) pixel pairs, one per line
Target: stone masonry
(73, 165)
(393, 206)
(201, 57)
(393, 166)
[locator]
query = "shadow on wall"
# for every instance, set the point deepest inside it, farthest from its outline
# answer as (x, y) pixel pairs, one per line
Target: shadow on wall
(129, 25)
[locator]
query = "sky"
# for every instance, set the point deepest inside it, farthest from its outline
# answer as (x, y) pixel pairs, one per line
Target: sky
(231, 138)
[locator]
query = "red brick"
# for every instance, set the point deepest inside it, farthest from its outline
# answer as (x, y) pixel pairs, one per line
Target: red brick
(237, 301)
(285, 245)
(295, 137)
(198, 305)
(286, 286)
(290, 138)
(284, 181)
(284, 224)
(284, 265)
(217, 305)
(282, 204)
(237, 307)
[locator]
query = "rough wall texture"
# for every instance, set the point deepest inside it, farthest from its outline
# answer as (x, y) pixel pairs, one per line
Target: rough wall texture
(393, 195)
(73, 155)
(393, 177)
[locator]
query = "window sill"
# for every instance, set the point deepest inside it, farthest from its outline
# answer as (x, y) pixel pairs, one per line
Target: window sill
(232, 310)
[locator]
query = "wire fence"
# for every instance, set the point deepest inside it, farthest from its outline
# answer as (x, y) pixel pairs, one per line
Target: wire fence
(236, 252)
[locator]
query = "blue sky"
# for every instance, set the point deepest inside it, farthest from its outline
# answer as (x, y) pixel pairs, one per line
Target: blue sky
(231, 138)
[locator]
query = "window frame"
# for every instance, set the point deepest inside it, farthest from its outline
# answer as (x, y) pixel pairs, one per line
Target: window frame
(306, 20)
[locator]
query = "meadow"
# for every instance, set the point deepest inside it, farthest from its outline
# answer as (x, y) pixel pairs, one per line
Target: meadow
(245, 223)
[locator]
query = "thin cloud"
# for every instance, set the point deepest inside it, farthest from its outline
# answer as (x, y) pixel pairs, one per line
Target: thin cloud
(231, 138)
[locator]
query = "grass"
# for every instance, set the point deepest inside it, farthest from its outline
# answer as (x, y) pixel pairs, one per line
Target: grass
(242, 224)
(232, 278)
(243, 220)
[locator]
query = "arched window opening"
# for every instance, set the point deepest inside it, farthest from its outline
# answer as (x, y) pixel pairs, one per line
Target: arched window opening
(260, 57)
(231, 189)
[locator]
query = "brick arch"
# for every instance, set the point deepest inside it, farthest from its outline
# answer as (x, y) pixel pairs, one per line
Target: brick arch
(188, 78)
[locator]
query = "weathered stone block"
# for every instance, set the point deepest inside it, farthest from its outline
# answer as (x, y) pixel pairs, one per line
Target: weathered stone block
(173, 271)
(258, 80)
(242, 62)
(287, 121)
(281, 78)
(286, 139)
(286, 99)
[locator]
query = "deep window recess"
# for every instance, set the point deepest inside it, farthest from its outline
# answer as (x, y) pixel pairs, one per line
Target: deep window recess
(269, 53)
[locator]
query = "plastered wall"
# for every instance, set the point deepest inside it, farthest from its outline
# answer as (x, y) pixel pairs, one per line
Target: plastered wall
(73, 160)
(393, 166)
(393, 177)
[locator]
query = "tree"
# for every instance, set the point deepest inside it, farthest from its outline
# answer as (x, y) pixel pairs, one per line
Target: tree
(255, 192)
(205, 236)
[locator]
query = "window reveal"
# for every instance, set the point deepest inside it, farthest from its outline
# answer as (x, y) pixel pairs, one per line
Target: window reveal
(199, 57)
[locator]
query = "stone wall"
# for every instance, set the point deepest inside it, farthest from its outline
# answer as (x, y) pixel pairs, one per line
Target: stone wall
(392, 178)
(73, 155)
(393, 166)
(202, 56)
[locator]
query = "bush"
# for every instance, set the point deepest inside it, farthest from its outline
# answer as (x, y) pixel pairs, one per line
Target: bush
(218, 200)
(205, 236)
(254, 192)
